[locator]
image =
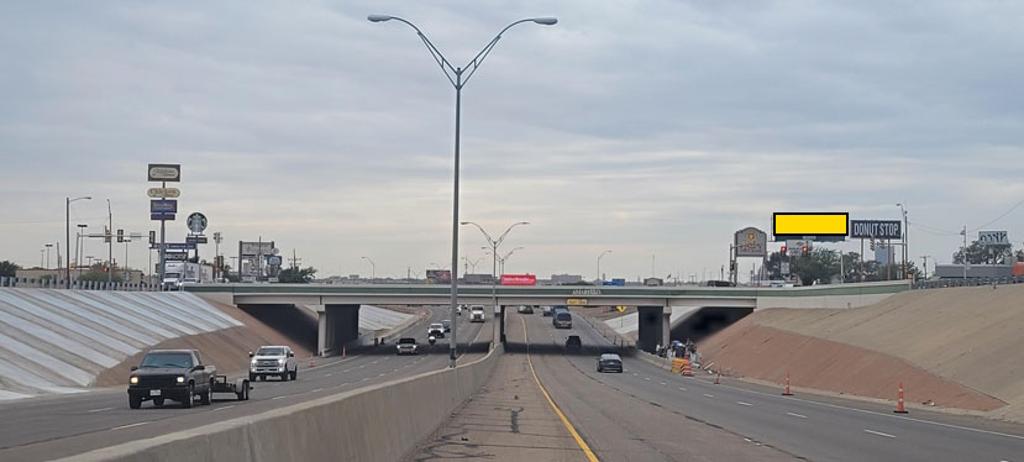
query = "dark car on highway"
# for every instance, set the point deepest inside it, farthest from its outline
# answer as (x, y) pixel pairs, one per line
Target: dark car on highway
(178, 375)
(447, 323)
(573, 342)
(609, 362)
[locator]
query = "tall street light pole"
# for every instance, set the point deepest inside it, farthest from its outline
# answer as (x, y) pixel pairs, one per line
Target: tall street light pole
(461, 77)
(508, 255)
(373, 268)
(67, 236)
(80, 248)
(48, 246)
(906, 232)
(599, 278)
(110, 243)
(494, 244)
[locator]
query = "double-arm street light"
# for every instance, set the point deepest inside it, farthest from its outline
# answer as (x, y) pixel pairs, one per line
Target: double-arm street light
(67, 236)
(458, 76)
(504, 258)
(494, 244)
(599, 278)
(373, 268)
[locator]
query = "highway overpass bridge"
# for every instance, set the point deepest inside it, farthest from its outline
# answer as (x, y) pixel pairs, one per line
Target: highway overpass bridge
(338, 305)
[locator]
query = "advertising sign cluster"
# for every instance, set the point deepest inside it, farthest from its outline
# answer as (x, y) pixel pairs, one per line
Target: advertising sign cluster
(876, 229)
(518, 279)
(750, 242)
(993, 238)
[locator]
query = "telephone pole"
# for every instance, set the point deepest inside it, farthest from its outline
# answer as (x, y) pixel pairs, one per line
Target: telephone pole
(295, 261)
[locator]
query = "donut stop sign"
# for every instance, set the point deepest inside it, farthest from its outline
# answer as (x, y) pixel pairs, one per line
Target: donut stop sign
(750, 242)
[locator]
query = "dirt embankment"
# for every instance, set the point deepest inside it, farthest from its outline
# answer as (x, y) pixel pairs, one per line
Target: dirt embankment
(227, 349)
(958, 347)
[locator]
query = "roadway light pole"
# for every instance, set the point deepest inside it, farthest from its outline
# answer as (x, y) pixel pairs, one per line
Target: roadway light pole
(502, 260)
(599, 277)
(80, 248)
(67, 236)
(458, 82)
(373, 268)
(110, 243)
(48, 246)
(494, 244)
(906, 232)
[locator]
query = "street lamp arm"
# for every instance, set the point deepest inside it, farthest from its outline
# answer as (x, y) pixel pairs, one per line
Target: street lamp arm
(477, 60)
(503, 235)
(446, 66)
(487, 236)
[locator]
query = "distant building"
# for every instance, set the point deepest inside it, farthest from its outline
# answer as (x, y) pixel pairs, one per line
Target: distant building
(885, 254)
(566, 279)
(973, 271)
(477, 279)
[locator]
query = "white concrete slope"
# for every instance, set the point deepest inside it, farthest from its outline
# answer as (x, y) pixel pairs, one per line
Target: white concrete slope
(58, 341)
(628, 324)
(372, 318)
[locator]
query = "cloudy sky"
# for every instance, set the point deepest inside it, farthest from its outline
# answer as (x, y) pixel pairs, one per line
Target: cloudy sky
(647, 127)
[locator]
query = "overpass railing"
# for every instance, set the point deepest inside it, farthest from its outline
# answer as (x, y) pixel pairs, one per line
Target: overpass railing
(53, 283)
(969, 282)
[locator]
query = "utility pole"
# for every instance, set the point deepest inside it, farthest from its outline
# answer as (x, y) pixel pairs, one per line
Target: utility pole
(110, 244)
(964, 253)
(295, 260)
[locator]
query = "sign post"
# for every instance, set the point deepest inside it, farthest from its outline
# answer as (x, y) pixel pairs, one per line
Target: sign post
(747, 242)
(162, 209)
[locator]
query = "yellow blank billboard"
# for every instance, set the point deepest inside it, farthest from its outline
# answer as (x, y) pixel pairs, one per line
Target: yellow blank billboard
(792, 224)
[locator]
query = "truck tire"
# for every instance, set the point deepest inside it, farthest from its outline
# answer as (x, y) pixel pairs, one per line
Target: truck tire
(206, 399)
(284, 376)
(252, 377)
(243, 394)
(158, 402)
(187, 402)
(295, 373)
(134, 402)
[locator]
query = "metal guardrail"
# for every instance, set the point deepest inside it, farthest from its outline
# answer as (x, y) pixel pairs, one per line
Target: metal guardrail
(49, 283)
(969, 282)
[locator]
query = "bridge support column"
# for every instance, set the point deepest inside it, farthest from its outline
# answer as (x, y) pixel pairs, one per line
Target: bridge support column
(336, 326)
(651, 332)
(501, 324)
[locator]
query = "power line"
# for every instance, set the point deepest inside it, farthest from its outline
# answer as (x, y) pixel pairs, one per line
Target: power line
(1000, 217)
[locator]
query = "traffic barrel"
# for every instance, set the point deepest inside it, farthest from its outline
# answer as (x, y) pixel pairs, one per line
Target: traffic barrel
(900, 409)
(786, 391)
(687, 370)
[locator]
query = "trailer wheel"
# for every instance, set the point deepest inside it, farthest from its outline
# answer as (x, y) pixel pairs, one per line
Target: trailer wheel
(243, 394)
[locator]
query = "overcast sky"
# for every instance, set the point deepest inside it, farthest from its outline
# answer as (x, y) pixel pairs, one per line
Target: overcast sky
(648, 128)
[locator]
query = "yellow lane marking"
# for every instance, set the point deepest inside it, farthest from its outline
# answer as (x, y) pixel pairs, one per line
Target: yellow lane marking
(565, 421)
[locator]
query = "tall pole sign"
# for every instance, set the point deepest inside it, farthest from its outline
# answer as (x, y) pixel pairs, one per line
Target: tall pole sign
(163, 209)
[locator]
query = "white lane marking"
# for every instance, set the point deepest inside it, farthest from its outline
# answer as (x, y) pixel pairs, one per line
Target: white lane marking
(799, 416)
(224, 407)
(375, 362)
(99, 410)
(647, 378)
(328, 374)
(381, 374)
(346, 370)
(663, 383)
(682, 389)
(316, 390)
(364, 379)
(634, 374)
(362, 366)
(708, 396)
(879, 433)
(122, 427)
(880, 414)
(743, 403)
(279, 397)
(394, 370)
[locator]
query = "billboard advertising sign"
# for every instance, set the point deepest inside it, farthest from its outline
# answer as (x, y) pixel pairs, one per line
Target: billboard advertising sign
(810, 225)
(171, 246)
(439, 276)
(876, 229)
(993, 238)
(164, 172)
(518, 279)
(751, 242)
(252, 249)
(163, 206)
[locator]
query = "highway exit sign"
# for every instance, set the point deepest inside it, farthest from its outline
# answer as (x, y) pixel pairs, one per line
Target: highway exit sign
(576, 302)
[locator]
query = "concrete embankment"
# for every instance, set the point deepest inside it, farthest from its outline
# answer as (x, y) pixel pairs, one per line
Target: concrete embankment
(379, 423)
(956, 348)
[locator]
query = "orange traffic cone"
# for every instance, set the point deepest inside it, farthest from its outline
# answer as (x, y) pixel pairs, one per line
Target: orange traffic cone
(687, 370)
(786, 391)
(899, 401)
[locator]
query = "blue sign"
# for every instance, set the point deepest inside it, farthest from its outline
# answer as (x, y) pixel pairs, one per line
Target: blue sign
(161, 216)
(615, 282)
(163, 206)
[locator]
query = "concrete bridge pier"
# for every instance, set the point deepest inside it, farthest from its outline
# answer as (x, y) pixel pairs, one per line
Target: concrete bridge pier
(336, 326)
(653, 327)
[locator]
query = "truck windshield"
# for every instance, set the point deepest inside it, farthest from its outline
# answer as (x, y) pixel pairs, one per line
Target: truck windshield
(270, 352)
(182, 360)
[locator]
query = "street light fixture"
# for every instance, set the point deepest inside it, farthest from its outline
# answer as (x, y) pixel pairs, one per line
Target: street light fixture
(599, 278)
(67, 236)
(80, 247)
(508, 255)
(458, 77)
(373, 268)
(494, 244)
(906, 232)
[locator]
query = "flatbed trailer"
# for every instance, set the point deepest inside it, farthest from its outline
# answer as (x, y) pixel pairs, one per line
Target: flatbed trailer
(240, 387)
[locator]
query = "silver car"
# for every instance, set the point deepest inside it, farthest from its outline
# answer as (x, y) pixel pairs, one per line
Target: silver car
(273, 361)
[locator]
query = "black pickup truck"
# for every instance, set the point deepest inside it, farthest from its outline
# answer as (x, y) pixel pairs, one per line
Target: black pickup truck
(179, 375)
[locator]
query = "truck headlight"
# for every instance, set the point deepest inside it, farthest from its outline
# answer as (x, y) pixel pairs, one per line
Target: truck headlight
(181, 379)
(133, 380)
(280, 360)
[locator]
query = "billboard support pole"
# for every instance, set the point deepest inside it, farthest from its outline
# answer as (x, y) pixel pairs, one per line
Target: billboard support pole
(163, 244)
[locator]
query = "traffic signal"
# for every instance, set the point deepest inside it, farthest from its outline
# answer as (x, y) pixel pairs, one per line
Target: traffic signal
(106, 235)
(120, 235)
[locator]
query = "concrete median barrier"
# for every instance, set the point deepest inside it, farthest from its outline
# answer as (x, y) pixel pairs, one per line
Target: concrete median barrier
(383, 422)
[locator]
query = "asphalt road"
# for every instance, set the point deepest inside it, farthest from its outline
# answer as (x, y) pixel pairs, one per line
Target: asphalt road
(794, 427)
(65, 425)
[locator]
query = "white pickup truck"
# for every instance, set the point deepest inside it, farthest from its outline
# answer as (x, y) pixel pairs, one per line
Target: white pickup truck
(476, 313)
